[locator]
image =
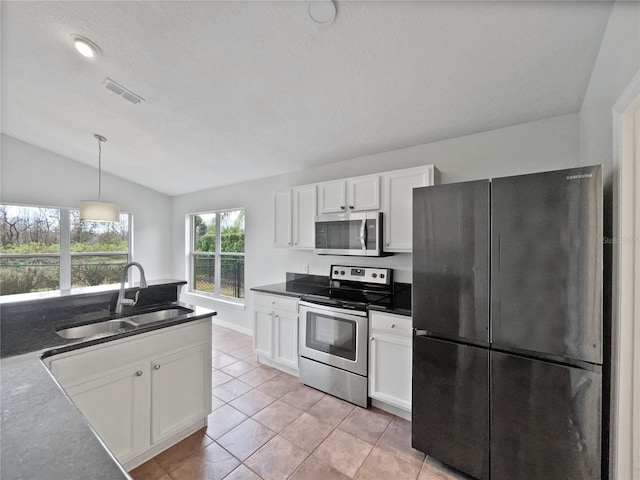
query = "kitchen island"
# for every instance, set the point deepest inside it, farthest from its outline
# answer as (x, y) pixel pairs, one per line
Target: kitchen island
(44, 434)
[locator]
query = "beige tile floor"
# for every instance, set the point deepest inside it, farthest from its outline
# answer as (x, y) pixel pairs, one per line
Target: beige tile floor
(266, 425)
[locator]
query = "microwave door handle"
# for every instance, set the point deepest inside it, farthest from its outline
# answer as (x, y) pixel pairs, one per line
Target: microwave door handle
(363, 234)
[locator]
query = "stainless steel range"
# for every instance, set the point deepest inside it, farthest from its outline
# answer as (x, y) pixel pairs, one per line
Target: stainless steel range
(334, 327)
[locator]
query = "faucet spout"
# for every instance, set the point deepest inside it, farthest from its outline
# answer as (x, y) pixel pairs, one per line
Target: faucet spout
(122, 301)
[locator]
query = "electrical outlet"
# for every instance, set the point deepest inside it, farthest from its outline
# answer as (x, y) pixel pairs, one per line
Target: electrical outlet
(305, 268)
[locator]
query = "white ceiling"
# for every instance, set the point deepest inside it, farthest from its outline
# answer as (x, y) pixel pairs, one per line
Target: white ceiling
(243, 90)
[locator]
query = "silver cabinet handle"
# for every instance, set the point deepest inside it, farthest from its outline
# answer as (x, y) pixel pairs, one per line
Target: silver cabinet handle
(351, 207)
(372, 339)
(156, 366)
(139, 373)
(393, 325)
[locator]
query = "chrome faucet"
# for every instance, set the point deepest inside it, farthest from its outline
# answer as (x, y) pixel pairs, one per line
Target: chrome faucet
(122, 301)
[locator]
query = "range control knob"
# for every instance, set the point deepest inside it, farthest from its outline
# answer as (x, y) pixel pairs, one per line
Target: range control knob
(382, 275)
(374, 275)
(342, 272)
(335, 272)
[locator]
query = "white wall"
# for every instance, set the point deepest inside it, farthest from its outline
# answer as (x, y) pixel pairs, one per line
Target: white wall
(32, 176)
(543, 145)
(617, 63)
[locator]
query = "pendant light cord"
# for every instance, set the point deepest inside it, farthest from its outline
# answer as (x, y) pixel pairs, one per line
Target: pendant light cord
(99, 170)
(100, 139)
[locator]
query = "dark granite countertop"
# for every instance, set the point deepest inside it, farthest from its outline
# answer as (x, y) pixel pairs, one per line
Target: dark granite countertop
(300, 284)
(400, 301)
(288, 289)
(44, 435)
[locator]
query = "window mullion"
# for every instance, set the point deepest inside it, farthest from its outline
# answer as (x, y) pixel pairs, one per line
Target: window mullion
(217, 257)
(65, 251)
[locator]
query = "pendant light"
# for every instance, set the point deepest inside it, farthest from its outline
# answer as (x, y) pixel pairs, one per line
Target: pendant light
(99, 211)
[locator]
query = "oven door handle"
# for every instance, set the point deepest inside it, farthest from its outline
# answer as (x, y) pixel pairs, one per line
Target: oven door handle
(363, 234)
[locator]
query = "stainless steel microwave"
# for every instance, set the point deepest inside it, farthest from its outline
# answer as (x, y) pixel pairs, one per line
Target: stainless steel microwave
(349, 233)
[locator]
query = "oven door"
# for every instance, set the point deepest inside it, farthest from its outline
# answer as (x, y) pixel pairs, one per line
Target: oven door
(334, 336)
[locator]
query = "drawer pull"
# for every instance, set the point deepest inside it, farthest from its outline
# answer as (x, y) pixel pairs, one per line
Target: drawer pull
(393, 325)
(372, 339)
(139, 373)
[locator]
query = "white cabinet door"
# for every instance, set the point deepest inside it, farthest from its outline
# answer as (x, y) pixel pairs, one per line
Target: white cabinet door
(304, 210)
(363, 193)
(282, 219)
(332, 197)
(275, 330)
(180, 390)
(398, 205)
(352, 194)
(262, 331)
(286, 338)
(390, 369)
(117, 407)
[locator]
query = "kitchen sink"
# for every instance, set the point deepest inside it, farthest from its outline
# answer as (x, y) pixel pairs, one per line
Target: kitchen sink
(109, 327)
(157, 316)
(121, 325)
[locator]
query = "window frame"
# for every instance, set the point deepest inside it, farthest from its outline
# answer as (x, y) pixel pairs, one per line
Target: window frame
(217, 254)
(65, 255)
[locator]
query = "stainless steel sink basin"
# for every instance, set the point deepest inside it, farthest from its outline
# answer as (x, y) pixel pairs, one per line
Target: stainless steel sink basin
(120, 325)
(109, 327)
(157, 316)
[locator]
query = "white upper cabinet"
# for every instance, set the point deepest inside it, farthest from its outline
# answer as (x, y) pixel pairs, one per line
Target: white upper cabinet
(332, 197)
(282, 219)
(391, 192)
(304, 209)
(353, 194)
(398, 205)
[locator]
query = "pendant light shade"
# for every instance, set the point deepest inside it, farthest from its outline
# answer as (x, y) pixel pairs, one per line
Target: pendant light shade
(92, 211)
(99, 211)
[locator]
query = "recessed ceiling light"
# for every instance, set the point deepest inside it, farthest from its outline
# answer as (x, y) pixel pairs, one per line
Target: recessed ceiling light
(85, 46)
(322, 12)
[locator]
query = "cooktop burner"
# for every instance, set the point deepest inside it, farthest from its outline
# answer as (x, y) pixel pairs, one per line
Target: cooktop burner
(354, 288)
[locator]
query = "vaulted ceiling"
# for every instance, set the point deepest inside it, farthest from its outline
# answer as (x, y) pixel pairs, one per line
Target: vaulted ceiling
(239, 90)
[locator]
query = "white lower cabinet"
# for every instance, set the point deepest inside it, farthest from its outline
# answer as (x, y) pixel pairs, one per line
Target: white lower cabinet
(275, 330)
(179, 396)
(390, 349)
(141, 391)
(116, 405)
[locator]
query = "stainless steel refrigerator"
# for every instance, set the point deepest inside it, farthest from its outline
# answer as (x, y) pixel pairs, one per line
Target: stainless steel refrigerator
(507, 313)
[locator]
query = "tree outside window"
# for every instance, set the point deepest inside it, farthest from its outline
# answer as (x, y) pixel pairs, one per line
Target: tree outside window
(217, 253)
(50, 249)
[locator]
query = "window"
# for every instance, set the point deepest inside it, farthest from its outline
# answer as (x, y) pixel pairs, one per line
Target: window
(217, 253)
(50, 249)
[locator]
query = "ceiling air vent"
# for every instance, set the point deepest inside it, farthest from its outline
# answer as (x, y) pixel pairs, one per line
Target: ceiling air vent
(123, 92)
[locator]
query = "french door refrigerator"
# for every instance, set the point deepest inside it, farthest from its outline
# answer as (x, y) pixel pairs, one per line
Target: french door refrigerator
(507, 313)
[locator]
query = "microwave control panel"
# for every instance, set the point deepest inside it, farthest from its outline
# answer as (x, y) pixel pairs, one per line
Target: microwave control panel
(381, 276)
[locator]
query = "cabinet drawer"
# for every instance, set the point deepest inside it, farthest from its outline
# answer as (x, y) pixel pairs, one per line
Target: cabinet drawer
(82, 364)
(276, 302)
(395, 324)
